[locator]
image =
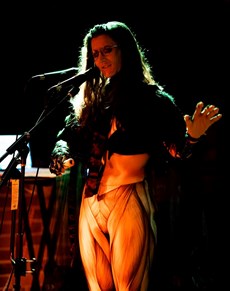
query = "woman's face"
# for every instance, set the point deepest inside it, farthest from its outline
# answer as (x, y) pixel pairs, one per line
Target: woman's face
(106, 54)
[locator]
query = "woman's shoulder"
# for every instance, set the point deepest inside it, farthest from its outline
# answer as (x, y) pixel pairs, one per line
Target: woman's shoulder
(155, 95)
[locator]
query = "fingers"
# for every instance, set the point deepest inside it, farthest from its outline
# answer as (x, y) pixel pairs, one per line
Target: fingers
(186, 117)
(188, 120)
(209, 108)
(202, 119)
(59, 165)
(68, 163)
(199, 107)
(209, 111)
(215, 118)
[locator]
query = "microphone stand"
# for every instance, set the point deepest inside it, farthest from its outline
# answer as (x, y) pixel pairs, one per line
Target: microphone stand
(19, 263)
(20, 145)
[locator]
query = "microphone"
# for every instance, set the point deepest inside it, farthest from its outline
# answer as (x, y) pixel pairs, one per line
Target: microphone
(55, 74)
(74, 81)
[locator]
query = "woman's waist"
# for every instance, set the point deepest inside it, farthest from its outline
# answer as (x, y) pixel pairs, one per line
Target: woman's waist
(114, 182)
(122, 170)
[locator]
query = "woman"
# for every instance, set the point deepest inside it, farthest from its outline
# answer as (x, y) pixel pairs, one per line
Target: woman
(121, 121)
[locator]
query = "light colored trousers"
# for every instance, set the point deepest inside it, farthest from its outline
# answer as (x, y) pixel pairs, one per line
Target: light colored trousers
(117, 236)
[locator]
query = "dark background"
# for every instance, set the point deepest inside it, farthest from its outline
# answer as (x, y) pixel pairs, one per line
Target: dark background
(187, 45)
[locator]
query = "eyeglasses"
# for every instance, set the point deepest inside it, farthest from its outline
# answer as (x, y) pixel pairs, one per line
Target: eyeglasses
(106, 50)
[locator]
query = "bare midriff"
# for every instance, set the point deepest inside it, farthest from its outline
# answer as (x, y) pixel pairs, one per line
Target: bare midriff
(122, 170)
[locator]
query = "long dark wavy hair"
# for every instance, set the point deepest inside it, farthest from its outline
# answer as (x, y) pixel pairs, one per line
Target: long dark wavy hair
(118, 92)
